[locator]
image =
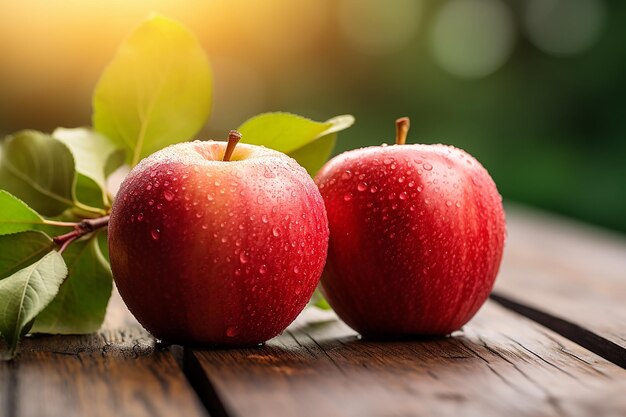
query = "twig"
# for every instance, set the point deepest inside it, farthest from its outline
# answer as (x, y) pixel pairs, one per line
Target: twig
(80, 229)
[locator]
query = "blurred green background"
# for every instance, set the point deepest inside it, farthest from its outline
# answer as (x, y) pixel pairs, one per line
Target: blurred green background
(535, 89)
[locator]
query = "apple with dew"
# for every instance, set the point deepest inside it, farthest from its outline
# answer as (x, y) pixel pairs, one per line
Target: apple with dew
(217, 244)
(416, 237)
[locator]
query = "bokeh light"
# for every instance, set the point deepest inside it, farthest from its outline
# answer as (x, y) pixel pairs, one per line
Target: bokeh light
(533, 88)
(239, 92)
(377, 27)
(473, 38)
(564, 27)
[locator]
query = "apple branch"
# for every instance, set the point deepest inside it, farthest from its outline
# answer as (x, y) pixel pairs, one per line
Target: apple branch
(233, 138)
(80, 229)
(402, 129)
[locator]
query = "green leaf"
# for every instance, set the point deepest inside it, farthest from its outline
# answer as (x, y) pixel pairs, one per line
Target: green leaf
(319, 301)
(156, 91)
(313, 156)
(93, 154)
(103, 242)
(89, 192)
(19, 250)
(39, 170)
(116, 160)
(26, 293)
(16, 216)
(307, 141)
(81, 303)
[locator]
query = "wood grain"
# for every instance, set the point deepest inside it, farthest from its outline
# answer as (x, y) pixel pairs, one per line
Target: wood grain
(500, 364)
(569, 270)
(117, 372)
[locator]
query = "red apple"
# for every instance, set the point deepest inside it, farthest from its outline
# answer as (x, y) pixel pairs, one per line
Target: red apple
(416, 237)
(213, 251)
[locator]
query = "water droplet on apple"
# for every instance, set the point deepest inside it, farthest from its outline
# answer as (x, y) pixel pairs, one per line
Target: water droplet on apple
(387, 161)
(264, 219)
(384, 145)
(448, 203)
(262, 269)
(296, 270)
(458, 204)
(420, 188)
(297, 290)
(347, 196)
(149, 187)
(411, 184)
(209, 196)
(276, 231)
(401, 180)
(268, 173)
(140, 217)
(168, 195)
(346, 175)
(373, 189)
(403, 195)
(231, 331)
(155, 234)
(427, 166)
(244, 257)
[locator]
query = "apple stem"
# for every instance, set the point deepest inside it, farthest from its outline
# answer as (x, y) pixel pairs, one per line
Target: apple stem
(233, 138)
(402, 129)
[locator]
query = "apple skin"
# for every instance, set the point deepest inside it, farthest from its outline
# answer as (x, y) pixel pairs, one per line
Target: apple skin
(212, 252)
(416, 238)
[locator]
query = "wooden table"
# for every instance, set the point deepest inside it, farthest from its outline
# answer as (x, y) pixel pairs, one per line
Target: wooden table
(550, 342)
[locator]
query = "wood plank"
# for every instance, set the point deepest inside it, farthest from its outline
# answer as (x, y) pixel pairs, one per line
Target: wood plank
(500, 364)
(116, 372)
(7, 403)
(569, 270)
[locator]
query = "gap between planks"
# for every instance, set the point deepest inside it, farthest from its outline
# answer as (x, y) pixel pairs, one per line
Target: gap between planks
(119, 371)
(502, 363)
(597, 344)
